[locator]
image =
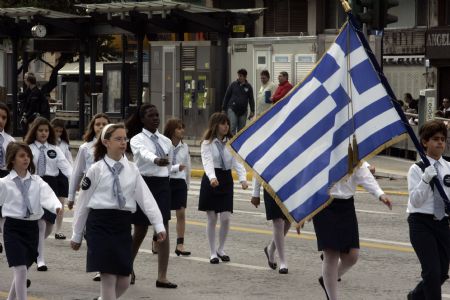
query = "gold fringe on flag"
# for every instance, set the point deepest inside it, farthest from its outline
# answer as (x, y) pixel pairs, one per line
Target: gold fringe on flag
(355, 151)
(350, 159)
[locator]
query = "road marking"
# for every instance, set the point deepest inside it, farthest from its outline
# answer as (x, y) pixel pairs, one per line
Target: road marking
(376, 212)
(5, 295)
(205, 260)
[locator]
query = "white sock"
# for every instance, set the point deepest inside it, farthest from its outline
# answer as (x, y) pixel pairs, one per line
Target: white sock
(330, 272)
(278, 240)
(42, 229)
(211, 232)
(19, 286)
(223, 232)
(60, 216)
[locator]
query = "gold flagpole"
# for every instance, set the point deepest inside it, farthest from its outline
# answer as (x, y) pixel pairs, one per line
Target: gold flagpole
(346, 6)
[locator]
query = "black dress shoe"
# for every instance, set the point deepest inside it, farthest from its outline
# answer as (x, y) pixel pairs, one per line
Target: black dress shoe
(224, 258)
(42, 268)
(323, 286)
(214, 261)
(132, 277)
(28, 283)
(166, 285)
(60, 236)
(97, 277)
(184, 253)
(283, 271)
(272, 265)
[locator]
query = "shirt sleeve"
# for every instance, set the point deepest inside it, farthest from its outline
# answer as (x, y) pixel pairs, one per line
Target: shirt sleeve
(240, 169)
(207, 160)
(188, 168)
(147, 203)
(256, 188)
(252, 99)
(417, 188)
(2, 192)
(77, 172)
(49, 201)
(139, 149)
(81, 209)
(63, 164)
(366, 179)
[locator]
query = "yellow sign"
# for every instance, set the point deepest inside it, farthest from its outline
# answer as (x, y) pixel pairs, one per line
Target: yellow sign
(239, 28)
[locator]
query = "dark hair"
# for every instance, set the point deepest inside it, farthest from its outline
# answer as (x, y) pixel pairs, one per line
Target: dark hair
(11, 152)
(100, 149)
(408, 95)
(30, 77)
(265, 73)
(430, 128)
(62, 124)
(214, 121)
(134, 123)
(243, 72)
(4, 107)
(31, 135)
(284, 74)
(171, 126)
(90, 132)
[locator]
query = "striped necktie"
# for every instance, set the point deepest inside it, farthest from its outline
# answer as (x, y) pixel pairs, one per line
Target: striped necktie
(159, 150)
(439, 205)
(175, 152)
(42, 161)
(117, 188)
(2, 151)
(24, 186)
(221, 147)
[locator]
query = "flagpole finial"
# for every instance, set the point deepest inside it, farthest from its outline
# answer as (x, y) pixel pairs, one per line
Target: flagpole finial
(346, 6)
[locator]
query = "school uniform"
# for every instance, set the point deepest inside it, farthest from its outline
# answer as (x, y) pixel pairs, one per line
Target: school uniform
(108, 220)
(49, 160)
(429, 229)
(179, 180)
(20, 231)
(63, 181)
(145, 147)
(217, 165)
(5, 139)
(83, 161)
(336, 225)
(273, 211)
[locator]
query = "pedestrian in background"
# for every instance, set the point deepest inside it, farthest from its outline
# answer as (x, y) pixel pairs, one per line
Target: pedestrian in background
(238, 97)
(428, 223)
(284, 86)
(336, 227)
(110, 191)
(62, 141)
(180, 177)
(216, 189)
(153, 154)
(49, 160)
(24, 197)
(263, 100)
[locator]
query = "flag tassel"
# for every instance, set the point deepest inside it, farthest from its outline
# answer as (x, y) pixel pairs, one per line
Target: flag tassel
(350, 159)
(355, 151)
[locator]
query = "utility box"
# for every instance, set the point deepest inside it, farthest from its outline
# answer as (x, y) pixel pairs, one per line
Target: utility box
(427, 105)
(187, 82)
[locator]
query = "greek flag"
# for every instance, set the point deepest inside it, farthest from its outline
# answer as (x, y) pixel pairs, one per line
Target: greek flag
(300, 147)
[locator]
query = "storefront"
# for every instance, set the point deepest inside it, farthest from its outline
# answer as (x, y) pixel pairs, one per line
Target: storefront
(438, 53)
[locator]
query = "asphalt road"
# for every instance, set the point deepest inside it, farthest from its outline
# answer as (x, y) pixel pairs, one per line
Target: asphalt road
(387, 268)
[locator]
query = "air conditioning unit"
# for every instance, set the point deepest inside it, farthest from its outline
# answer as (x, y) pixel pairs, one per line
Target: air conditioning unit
(281, 63)
(303, 65)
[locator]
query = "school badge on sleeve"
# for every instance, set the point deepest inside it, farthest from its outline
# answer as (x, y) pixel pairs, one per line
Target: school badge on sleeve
(85, 183)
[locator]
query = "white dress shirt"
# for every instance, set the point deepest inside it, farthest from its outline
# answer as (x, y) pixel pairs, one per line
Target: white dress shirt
(65, 148)
(421, 198)
(97, 193)
(6, 140)
(211, 160)
(144, 152)
(183, 158)
(83, 161)
(346, 188)
(261, 104)
(52, 164)
(40, 195)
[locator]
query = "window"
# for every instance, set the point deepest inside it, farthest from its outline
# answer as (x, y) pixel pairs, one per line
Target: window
(422, 10)
(285, 17)
(334, 15)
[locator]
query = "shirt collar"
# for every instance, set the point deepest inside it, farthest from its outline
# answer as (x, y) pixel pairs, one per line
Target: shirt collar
(13, 174)
(38, 144)
(149, 133)
(433, 161)
(111, 161)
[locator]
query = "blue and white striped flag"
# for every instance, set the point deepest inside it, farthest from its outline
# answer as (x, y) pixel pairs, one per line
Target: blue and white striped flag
(299, 147)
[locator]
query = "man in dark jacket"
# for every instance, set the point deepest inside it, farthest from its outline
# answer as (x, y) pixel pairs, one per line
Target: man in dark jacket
(235, 103)
(35, 104)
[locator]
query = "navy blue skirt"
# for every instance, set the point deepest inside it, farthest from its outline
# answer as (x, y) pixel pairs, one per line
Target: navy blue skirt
(273, 211)
(108, 237)
(160, 188)
(178, 193)
(336, 226)
(220, 198)
(21, 240)
(63, 185)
